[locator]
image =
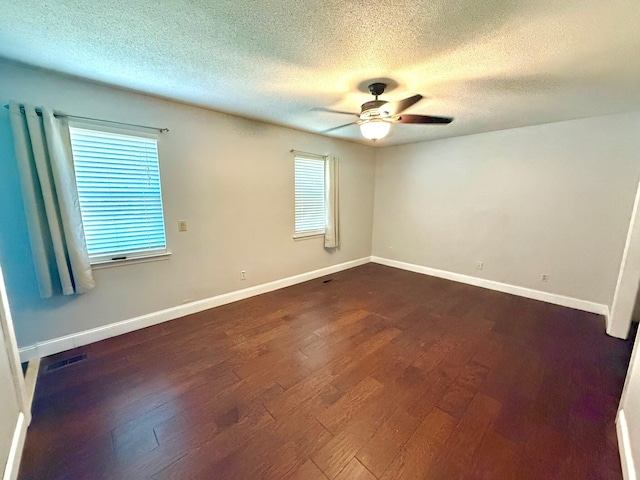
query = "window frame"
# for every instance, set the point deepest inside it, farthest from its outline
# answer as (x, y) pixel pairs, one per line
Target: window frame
(301, 234)
(134, 256)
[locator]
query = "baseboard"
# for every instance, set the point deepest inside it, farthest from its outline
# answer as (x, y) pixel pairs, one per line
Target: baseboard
(624, 445)
(500, 287)
(15, 452)
(67, 342)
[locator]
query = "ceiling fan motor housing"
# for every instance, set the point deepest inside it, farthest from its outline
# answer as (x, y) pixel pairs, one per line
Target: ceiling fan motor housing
(373, 109)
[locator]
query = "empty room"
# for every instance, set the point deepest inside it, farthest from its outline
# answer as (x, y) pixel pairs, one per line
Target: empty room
(319, 240)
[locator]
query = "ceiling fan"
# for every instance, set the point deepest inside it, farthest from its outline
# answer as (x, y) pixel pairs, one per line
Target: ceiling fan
(376, 116)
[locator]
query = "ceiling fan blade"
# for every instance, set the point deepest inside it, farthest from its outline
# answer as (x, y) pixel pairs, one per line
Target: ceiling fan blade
(321, 109)
(338, 127)
(408, 118)
(400, 106)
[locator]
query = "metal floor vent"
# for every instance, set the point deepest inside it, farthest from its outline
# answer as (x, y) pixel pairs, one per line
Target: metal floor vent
(66, 362)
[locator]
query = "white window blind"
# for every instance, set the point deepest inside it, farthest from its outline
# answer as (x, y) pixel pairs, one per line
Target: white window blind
(118, 181)
(309, 197)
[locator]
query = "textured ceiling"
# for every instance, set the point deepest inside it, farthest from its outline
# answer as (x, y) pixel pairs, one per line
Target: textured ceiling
(492, 65)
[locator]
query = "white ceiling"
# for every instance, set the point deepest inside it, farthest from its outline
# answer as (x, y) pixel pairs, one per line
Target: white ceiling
(491, 64)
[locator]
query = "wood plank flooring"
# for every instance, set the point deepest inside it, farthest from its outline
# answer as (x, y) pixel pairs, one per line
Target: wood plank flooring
(372, 373)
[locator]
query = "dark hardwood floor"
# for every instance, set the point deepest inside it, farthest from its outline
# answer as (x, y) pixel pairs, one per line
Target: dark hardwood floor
(371, 373)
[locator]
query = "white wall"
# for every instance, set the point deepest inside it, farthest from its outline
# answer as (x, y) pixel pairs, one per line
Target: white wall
(550, 199)
(230, 178)
(553, 199)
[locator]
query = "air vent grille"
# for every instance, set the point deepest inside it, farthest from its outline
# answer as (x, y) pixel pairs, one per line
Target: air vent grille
(66, 362)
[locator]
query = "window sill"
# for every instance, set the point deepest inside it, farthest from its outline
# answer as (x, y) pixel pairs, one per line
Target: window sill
(302, 236)
(155, 257)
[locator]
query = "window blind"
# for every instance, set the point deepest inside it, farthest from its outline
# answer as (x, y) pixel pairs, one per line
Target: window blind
(310, 217)
(118, 180)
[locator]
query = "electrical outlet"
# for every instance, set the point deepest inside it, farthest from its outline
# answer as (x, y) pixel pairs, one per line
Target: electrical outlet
(544, 277)
(479, 265)
(243, 274)
(182, 225)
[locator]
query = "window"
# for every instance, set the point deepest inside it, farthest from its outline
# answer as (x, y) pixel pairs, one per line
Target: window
(309, 197)
(118, 181)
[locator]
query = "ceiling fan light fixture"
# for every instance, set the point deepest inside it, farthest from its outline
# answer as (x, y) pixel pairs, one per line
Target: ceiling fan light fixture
(376, 116)
(375, 129)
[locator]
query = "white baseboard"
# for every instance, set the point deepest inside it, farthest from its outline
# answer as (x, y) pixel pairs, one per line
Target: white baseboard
(67, 342)
(624, 445)
(500, 287)
(15, 452)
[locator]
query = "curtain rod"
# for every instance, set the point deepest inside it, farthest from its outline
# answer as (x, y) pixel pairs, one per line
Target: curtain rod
(293, 150)
(109, 122)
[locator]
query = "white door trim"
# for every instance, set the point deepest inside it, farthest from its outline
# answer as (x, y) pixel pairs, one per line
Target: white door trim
(624, 298)
(15, 453)
(24, 416)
